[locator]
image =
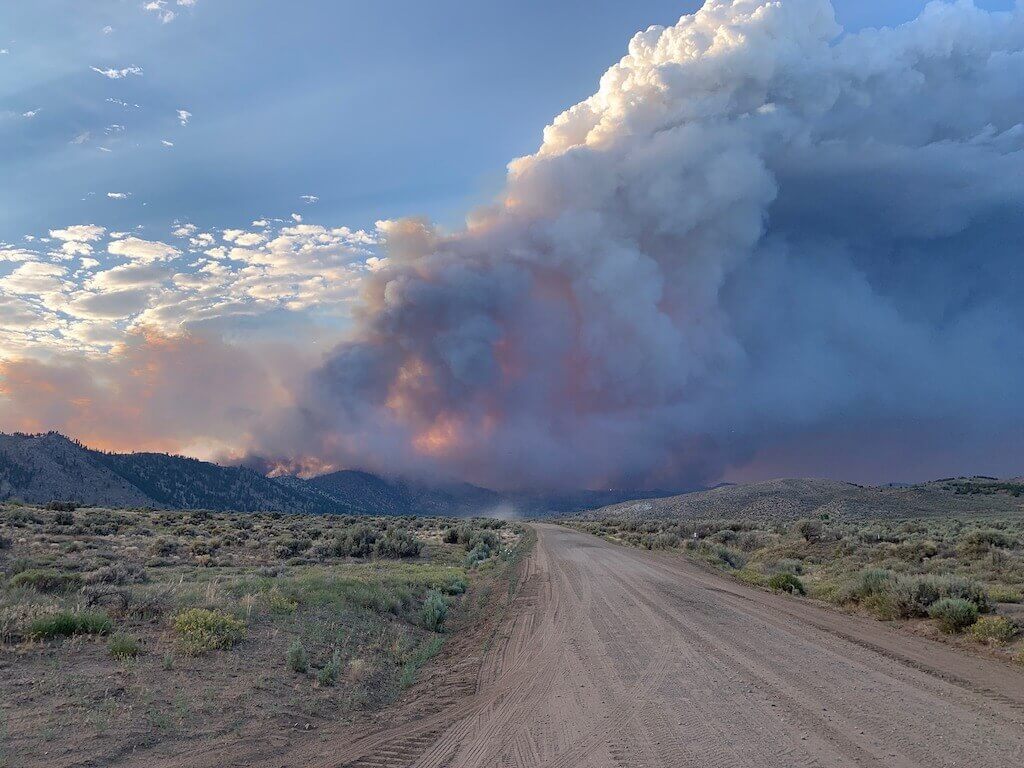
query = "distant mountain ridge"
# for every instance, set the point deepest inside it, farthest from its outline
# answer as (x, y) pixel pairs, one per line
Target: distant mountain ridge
(51, 467)
(796, 498)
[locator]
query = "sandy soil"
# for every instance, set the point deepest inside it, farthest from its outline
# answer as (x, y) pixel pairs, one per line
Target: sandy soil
(611, 656)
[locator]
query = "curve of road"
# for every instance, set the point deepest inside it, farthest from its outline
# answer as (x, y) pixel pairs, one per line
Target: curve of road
(615, 658)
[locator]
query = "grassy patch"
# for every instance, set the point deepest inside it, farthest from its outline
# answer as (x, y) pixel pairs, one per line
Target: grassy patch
(426, 651)
(46, 580)
(122, 646)
(68, 623)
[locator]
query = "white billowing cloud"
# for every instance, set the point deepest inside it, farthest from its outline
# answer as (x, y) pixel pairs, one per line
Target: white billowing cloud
(167, 143)
(143, 251)
(108, 29)
(242, 238)
(184, 116)
(31, 113)
(118, 74)
(75, 248)
(297, 217)
(310, 199)
(81, 138)
(119, 195)
(79, 233)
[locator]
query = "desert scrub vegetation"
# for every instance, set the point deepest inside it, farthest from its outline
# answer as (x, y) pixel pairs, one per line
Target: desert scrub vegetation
(135, 627)
(201, 630)
(956, 576)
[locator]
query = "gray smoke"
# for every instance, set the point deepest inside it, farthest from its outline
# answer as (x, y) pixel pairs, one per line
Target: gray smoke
(758, 233)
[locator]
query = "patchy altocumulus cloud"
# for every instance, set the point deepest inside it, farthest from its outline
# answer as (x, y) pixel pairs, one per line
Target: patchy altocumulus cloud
(118, 74)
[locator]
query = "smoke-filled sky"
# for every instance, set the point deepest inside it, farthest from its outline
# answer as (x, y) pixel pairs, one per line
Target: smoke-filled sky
(775, 240)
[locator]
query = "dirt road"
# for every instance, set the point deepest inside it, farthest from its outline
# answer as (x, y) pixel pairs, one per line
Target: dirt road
(616, 657)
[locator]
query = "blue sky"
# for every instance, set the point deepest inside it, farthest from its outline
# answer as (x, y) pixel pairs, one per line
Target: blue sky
(379, 109)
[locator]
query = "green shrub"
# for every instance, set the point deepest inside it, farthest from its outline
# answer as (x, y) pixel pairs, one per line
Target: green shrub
(953, 614)
(329, 674)
(163, 546)
(398, 543)
(786, 582)
(62, 506)
(296, 657)
(124, 646)
(478, 554)
(995, 630)
(434, 612)
(809, 530)
(786, 565)
(869, 582)
(47, 580)
(979, 543)
(456, 586)
(67, 623)
(201, 630)
(913, 596)
(721, 555)
(484, 538)
(118, 573)
(357, 542)
(450, 536)
(1000, 594)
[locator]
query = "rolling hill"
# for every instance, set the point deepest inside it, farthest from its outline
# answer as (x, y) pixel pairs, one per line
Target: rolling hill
(50, 467)
(796, 498)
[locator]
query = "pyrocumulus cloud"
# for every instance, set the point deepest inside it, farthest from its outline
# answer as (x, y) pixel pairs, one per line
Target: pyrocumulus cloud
(756, 229)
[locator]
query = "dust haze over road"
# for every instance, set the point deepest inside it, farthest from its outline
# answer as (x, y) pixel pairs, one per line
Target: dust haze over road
(613, 657)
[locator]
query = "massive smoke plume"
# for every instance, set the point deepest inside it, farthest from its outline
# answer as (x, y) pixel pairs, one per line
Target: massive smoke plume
(758, 228)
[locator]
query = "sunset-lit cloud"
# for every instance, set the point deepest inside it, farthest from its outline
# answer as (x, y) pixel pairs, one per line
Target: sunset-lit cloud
(143, 394)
